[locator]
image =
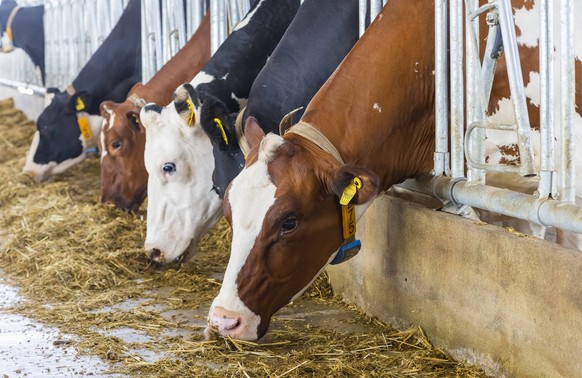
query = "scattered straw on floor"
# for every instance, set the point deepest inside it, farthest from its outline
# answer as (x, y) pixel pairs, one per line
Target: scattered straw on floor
(81, 267)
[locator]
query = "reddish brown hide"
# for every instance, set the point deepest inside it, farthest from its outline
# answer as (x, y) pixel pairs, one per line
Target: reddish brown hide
(123, 174)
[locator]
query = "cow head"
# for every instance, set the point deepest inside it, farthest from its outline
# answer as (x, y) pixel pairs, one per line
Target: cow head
(287, 226)
(58, 143)
(123, 175)
(182, 205)
(219, 124)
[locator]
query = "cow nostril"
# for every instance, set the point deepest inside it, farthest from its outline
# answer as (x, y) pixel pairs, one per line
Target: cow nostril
(155, 255)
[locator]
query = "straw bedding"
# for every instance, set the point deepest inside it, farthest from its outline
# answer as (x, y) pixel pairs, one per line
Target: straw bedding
(80, 266)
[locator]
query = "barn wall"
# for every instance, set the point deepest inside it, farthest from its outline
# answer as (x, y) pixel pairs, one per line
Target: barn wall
(477, 290)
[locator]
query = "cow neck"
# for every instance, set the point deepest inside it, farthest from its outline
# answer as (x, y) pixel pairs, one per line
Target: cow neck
(350, 246)
(116, 65)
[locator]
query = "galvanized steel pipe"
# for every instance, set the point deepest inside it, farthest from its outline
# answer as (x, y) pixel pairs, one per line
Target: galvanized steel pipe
(441, 155)
(547, 179)
(546, 212)
(567, 81)
(518, 98)
(457, 88)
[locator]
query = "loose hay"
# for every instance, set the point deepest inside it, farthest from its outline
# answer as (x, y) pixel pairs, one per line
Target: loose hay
(81, 266)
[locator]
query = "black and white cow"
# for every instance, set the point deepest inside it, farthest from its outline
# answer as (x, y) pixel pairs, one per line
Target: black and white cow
(178, 153)
(26, 31)
(70, 125)
(320, 36)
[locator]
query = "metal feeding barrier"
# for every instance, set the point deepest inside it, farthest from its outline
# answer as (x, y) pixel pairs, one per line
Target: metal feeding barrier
(553, 203)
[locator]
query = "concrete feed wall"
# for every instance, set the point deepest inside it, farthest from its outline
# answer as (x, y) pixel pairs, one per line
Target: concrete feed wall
(477, 290)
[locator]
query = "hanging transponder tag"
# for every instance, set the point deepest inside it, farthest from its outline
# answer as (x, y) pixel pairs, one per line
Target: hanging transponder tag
(350, 191)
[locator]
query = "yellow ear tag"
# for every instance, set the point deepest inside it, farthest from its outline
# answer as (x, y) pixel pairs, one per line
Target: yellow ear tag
(350, 191)
(191, 109)
(85, 128)
(348, 220)
(218, 124)
(80, 105)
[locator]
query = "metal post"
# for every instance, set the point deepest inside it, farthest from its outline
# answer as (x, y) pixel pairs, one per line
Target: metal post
(441, 155)
(475, 111)
(375, 9)
(547, 179)
(457, 88)
(567, 81)
(516, 87)
(363, 8)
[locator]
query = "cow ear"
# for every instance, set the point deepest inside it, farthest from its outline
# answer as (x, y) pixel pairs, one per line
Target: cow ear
(253, 132)
(104, 107)
(217, 123)
(364, 180)
(150, 115)
(80, 102)
(185, 101)
(133, 121)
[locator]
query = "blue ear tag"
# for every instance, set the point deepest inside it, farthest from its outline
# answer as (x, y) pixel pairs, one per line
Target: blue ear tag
(347, 251)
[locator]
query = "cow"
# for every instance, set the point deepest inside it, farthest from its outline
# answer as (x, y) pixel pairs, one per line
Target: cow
(69, 125)
(294, 207)
(320, 36)
(122, 139)
(178, 154)
(23, 27)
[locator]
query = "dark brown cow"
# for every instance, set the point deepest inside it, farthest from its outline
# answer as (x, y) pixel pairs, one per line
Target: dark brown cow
(123, 174)
(284, 206)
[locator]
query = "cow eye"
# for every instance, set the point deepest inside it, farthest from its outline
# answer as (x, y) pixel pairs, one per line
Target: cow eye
(289, 224)
(169, 168)
(116, 145)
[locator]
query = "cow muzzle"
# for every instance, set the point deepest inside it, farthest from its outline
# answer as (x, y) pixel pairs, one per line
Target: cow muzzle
(222, 322)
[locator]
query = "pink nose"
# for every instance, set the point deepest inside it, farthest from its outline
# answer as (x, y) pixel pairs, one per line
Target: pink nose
(223, 321)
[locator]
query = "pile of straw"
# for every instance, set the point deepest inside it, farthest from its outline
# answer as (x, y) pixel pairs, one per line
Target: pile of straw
(78, 264)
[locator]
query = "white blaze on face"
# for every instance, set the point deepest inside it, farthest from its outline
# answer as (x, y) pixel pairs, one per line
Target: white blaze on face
(181, 206)
(251, 195)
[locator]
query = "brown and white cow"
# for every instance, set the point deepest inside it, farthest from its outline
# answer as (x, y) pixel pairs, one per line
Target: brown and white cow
(123, 174)
(284, 206)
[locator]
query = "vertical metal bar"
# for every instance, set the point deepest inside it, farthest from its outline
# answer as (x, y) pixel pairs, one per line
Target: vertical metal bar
(363, 7)
(214, 27)
(518, 98)
(222, 20)
(546, 184)
(457, 88)
(473, 91)
(489, 65)
(375, 8)
(567, 81)
(441, 155)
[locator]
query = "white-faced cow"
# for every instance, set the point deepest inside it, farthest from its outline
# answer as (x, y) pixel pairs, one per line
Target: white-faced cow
(123, 174)
(70, 124)
(23, 27)
(182, 203)
(294, 206)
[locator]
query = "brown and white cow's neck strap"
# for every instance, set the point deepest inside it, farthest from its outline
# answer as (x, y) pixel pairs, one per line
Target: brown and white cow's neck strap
(351, 246)
(310, 132)
(137, 101)
(240, 135)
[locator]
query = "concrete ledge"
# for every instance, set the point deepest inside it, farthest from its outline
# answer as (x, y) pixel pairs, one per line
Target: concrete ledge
(477, 290)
